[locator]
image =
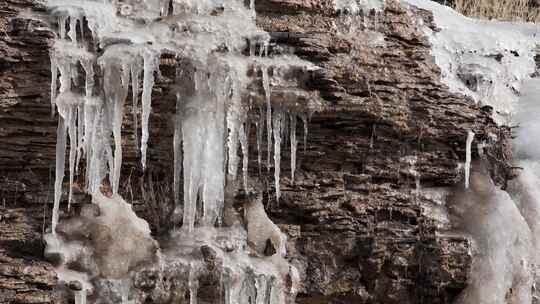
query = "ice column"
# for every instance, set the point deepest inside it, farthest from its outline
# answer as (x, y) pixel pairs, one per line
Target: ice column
(150, 66)
(60, 167)
(277, 120)
(267, 92)
(468, 148)
(177, 147)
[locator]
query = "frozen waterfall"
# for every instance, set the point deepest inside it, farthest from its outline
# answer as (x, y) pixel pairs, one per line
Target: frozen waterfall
(103, 51)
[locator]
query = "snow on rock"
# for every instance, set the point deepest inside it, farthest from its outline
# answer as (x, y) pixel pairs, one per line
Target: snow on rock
(108, 240)
(355, 6)
(487, 60)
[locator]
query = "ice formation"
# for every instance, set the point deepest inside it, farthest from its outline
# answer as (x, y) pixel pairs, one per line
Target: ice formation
(501, 270)
(106, 49)
(493, 62)
(468, 151)
(485, 59)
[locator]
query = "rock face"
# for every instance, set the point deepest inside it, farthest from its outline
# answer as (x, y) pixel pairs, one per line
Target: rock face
(360, 230)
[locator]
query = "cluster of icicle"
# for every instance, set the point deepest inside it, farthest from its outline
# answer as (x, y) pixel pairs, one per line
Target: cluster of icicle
(89, 118)
(104, 49)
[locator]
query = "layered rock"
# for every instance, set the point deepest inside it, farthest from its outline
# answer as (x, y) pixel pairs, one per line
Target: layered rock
(360, 229)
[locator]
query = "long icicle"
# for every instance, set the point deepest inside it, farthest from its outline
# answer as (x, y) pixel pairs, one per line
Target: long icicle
(470, 138)
(177, 147)
(277, 150)
(60, 167)
(267, 92)
(54, 78)
(135, 79)
(72, 131)
(150, 66)
(259, 127)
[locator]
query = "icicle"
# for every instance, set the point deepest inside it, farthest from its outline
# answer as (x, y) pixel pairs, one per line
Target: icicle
(213, 174)
(470, 138)
(177, 143)
(54, 78)
(267, 92)
(72, 131)
(62, 26)
(277, 150)
(234, 121)
(117, 126)
(150, 65)
(135, 79)
(244, 135)
(60, 167)
(89, 78)
(65, 76)
(294, 145)
(83, 125)
(259, 126)
(80, 135)
(193, 150)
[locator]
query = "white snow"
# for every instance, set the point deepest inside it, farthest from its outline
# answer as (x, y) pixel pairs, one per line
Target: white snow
(354, 6)
(484, 59)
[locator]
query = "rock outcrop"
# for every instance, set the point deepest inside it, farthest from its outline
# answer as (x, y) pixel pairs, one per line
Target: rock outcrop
(360, 228)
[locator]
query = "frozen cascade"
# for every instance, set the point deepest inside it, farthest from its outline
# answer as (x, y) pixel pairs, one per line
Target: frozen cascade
(91, 81)
(468, 148)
